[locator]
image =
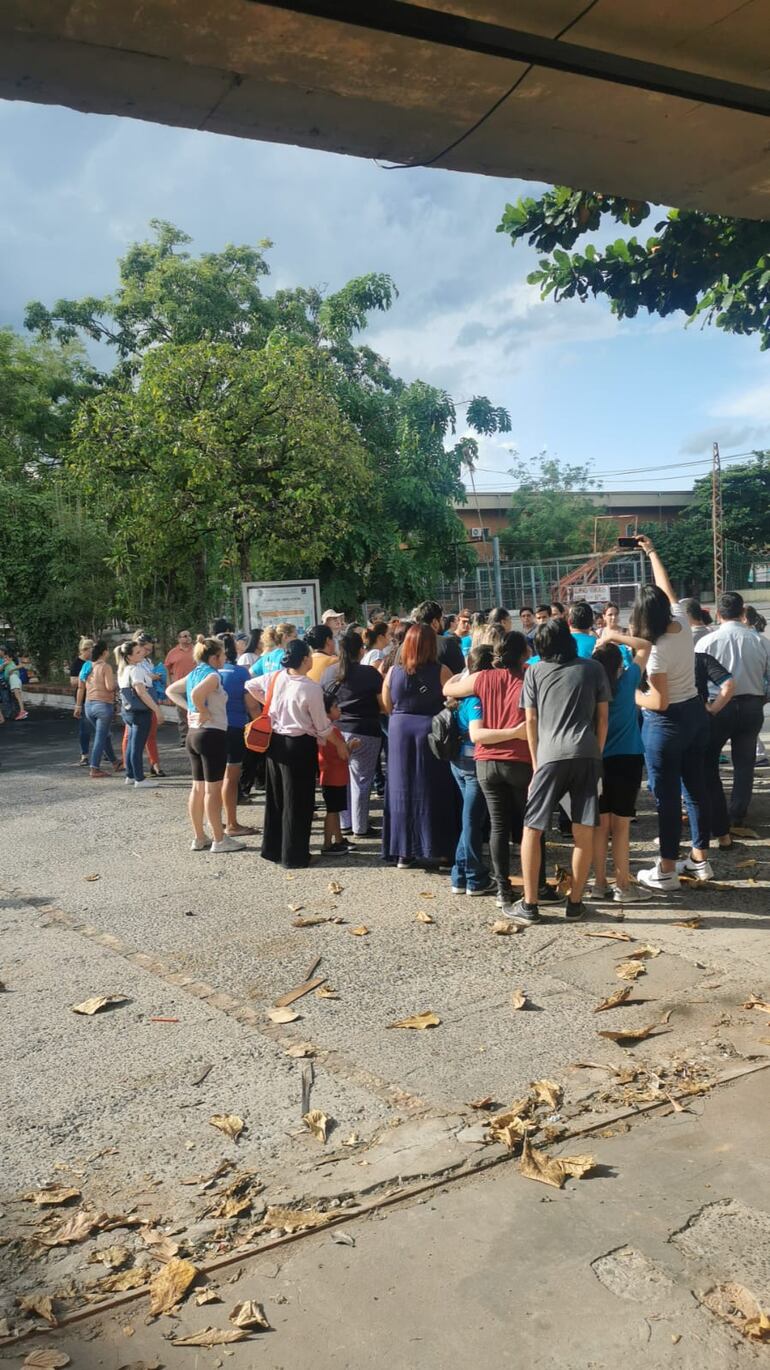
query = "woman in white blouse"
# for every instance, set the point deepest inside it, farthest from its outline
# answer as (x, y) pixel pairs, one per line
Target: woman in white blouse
(300, 724)
(674, 727)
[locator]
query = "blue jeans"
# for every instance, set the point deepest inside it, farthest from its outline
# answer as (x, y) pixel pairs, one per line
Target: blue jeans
(84, 732)
(674, 751)
(138, 724)
(469, 870)
(99, 715)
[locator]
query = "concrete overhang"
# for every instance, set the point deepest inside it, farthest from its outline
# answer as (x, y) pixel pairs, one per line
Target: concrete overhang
(595, 109)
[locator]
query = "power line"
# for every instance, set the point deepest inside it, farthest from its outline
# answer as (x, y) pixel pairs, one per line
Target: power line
(644, 470)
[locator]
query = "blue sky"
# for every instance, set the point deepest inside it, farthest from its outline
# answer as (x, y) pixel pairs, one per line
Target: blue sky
(76, 189)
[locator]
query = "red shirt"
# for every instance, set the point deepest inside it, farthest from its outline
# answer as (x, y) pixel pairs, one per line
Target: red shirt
(179, 663)
(333, 770)
(500, 695)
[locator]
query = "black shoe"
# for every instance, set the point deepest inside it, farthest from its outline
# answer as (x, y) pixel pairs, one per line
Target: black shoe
(574, 912)
(156, 770)
(547, 895)
(521, 913)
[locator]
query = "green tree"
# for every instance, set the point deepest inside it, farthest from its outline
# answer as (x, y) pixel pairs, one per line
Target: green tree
(550, 514)
(702, 265)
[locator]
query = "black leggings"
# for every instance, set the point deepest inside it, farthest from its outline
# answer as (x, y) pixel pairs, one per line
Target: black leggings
(504, 785)
(289, 799)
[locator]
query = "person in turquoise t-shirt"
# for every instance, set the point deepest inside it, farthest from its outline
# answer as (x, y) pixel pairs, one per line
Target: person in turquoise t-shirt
(470, 874)
(622, 761)
(463, 630)
(581, 622)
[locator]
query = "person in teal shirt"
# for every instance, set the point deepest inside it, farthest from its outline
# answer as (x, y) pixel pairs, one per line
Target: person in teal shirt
(581, 622)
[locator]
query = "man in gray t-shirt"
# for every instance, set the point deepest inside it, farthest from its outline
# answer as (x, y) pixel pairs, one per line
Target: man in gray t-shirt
(566, 700)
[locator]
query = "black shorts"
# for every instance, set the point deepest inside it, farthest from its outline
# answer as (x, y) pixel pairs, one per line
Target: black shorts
(578, 778)
(335, 797)
(208, 753)
(236, 746)
(621, 784)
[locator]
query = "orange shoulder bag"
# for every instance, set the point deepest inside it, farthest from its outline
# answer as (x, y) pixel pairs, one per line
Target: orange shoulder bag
(259, 731)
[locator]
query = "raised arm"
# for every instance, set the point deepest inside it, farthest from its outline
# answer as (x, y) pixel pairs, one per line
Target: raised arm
(459, 687)
(659, 572)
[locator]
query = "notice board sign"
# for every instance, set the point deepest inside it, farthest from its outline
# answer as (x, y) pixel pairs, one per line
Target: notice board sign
(266, 602)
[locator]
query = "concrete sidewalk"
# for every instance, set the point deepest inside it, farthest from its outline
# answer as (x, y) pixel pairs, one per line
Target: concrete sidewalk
(504, 1271)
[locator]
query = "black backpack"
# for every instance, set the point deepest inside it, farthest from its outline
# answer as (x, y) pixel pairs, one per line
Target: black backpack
(444, 736)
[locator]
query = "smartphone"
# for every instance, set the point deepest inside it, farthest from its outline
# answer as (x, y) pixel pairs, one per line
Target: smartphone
(628, 542)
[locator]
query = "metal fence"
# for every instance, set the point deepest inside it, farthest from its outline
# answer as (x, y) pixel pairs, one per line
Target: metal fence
(537, 582)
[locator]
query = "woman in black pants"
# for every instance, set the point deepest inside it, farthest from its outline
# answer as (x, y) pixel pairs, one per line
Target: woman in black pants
(503, 762)
(300, 723)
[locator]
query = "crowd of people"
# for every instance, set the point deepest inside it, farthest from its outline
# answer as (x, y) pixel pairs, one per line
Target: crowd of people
(477, 734)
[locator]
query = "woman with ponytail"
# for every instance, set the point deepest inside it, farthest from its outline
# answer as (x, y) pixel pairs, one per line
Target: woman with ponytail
(357, 691)
(469, 872)
(300, 723)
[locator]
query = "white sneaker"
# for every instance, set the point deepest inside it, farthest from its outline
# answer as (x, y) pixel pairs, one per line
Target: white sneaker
(146, 784)
(200, 844)
(700, 870)
(666, 882)
(228, 844)
(635, 894)
(128, 780)
(597, 895)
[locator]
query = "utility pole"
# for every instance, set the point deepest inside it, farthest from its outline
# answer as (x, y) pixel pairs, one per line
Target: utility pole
(716, 523)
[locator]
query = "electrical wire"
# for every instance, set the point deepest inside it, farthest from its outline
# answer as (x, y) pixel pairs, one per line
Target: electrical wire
(506, 95)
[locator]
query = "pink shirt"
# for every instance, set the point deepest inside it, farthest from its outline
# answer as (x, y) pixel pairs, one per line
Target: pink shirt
(297, 705)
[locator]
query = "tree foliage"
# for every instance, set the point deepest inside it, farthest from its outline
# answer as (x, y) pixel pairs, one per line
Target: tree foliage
(238, 434)
(550, 513)
(703, 265)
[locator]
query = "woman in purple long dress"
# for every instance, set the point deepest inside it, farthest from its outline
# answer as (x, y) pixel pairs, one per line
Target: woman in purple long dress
(421, 821)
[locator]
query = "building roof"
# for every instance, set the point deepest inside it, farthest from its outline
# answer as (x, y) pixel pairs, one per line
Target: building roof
(615, 501)
(658, 101)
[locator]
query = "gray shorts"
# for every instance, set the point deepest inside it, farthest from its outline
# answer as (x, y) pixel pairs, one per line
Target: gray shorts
(578, 778)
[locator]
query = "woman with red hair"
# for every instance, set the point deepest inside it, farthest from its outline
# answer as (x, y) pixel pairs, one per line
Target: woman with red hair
(421, 820)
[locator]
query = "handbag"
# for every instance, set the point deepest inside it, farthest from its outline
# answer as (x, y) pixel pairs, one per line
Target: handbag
(259, 731)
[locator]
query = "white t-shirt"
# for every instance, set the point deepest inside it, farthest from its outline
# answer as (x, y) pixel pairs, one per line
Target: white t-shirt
(674, 654)
(374, 655)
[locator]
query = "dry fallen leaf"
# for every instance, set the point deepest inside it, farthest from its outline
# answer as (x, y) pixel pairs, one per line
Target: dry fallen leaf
(282, 1015)
(112, 1256)
(630, 1034)
(98, 1002)
(52, 1195)
(361, 931)
(427, 894)
(418, 1021)
(298, 1050)
(161, 1246)
(76, 1228)
(295, 908)
(688, 923)
(614, 934)
(423, 917)
(334, 887)
(39, 1306)
(133, 1278)
(537, 1165)
(503, 927)
(353, 1140)
(292, 1219)
(487, 1102)
(746, 865)
(630, 970)
(212, 1336)
(249, 1314)
(92, 877)
(317, 1123)
(737, 1305)
(510, 1127)
(518, 999)
(46, 1358)
(754, 1002)
(548, 1092)
(644, 953)
(618, 996)
(169, 1286)
(207, 1296)
(312, 921)
(744, 832)
(326, 992)
(229, 1123)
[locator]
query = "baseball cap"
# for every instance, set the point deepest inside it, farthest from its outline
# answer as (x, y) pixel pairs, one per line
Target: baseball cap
(331, 613)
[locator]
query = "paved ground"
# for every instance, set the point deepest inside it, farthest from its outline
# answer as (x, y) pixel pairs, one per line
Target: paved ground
(115, 1104)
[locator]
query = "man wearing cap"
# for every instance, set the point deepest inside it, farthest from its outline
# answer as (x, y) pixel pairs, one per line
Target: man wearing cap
(334, 620)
